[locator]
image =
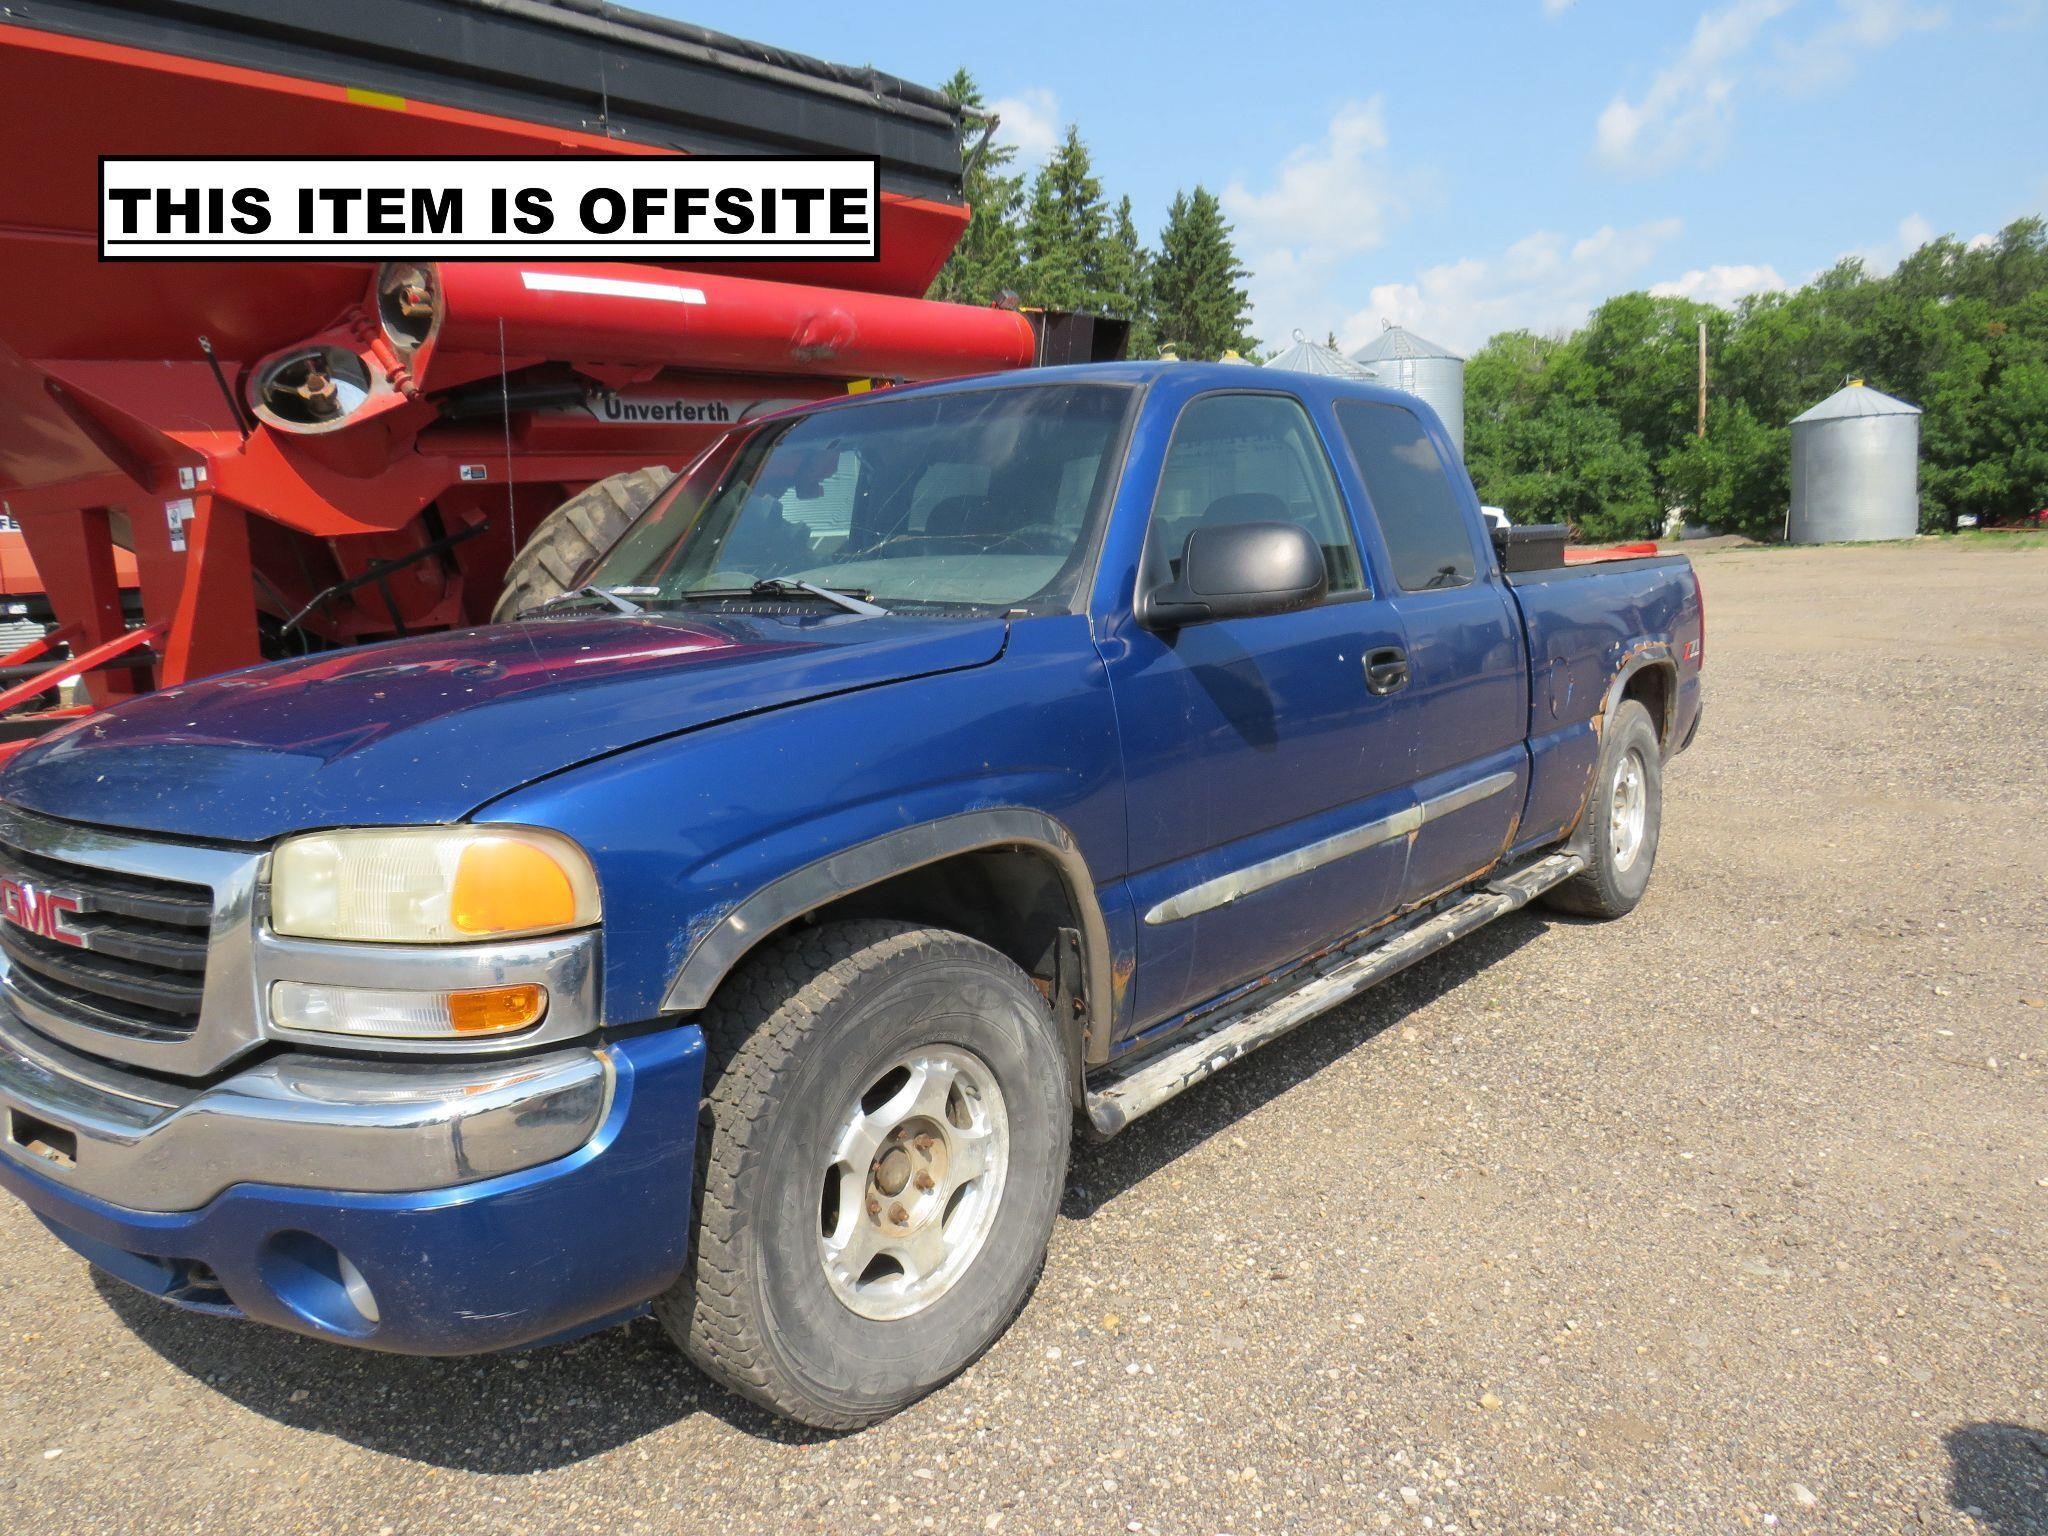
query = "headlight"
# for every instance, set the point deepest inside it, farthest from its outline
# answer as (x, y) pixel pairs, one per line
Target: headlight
(430, 885)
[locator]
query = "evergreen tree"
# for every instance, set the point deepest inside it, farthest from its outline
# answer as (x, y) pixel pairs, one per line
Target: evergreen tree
(1199, 299)
(989, 258)
(1066, 233)
(1127, 281)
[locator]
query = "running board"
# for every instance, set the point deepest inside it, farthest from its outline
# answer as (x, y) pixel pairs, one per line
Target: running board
(1341, 975)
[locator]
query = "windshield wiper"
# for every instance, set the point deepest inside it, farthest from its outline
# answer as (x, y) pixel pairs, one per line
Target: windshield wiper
(603, 595)
(783, 586)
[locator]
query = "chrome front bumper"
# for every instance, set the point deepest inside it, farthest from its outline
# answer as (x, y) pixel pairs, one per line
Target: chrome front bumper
(294, 1120)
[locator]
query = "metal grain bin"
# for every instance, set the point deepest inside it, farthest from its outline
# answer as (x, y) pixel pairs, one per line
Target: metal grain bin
(1404, 361)
(1855, 469)
(1306, 356)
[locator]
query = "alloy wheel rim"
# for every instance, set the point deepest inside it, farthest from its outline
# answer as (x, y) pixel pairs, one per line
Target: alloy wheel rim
(910, 1187)
(1628, 810)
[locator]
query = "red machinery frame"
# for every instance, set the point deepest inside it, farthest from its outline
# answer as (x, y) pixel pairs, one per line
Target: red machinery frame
(138, 396)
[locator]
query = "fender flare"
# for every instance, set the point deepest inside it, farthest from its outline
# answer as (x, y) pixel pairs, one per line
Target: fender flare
(1640, 657)
(721, 947)
(1650, 653)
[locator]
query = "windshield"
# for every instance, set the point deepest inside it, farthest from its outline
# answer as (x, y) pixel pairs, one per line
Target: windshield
(966, 502)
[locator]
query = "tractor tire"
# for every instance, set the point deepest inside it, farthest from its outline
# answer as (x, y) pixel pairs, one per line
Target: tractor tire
(884, 1141)
(574, 534)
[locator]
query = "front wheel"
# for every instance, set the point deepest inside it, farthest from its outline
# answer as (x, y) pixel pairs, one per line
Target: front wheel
(1622, 820)
(884, 1144)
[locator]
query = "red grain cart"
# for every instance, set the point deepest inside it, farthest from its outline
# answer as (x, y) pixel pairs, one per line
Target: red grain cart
(308, 454)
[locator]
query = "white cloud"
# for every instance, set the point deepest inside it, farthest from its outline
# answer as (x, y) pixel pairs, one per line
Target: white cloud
(1331, 196)
(1913, 232)
(1722, 285)
(1683, 115)
(1556, 8)
(1327, 203)
(1882, 255)
(1827, 56)
(1030, 121)
(1543, 282)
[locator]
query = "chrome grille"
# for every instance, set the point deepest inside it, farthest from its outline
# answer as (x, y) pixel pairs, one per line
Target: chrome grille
(139, 966)
(133, 948)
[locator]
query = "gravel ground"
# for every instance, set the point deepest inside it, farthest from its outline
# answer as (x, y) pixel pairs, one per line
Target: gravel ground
(1730, 1216)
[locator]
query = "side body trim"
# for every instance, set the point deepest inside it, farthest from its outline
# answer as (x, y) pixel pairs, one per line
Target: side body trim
(1471, 794)
(853, 869)
(1239, 883)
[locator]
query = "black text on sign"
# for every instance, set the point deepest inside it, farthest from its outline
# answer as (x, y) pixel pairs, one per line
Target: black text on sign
(623, 207)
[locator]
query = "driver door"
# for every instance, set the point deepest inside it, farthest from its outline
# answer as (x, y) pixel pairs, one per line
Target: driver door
(1265, 782)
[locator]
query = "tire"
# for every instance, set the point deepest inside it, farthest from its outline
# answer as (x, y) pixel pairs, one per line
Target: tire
(574, 534)
(1617, 873)
(804, 1044)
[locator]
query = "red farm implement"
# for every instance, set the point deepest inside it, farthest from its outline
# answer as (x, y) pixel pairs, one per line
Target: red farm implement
(309, 454)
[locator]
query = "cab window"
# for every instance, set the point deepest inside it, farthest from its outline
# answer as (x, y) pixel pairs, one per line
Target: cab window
(1248, 458)
(1428, 538)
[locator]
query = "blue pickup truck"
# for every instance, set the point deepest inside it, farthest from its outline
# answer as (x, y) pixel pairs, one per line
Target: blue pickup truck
(744, 934)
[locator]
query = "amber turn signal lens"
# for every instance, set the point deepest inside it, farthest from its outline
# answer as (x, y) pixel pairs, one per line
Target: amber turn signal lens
(507, 886)
(497, 1010)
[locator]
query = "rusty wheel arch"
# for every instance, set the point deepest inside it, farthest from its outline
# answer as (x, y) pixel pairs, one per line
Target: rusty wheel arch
(903, 868)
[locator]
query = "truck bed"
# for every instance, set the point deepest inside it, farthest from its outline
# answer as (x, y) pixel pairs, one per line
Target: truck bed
(1587, 625)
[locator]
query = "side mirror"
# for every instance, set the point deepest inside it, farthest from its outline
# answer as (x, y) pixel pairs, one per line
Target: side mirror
(1239, 571)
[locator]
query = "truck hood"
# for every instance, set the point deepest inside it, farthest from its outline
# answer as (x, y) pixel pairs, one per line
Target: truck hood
(428, 730)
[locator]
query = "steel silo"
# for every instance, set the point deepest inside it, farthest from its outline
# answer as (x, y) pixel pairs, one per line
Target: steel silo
(1405, 361)
(1855, 469)
(1306, 356)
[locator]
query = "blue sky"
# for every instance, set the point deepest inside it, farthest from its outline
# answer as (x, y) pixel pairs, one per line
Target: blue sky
(1469, 166)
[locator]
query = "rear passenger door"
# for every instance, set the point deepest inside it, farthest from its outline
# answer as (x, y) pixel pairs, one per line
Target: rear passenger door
(1467, 696)
(1266, 783)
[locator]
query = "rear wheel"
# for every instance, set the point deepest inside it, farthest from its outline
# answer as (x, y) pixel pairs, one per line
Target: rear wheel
(574, 534)
(1622, 821)
(884, 1144)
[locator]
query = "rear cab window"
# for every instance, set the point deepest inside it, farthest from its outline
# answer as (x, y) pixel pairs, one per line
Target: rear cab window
(1429, 540)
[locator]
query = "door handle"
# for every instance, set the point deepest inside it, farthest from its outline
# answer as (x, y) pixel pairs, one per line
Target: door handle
(1386, 669)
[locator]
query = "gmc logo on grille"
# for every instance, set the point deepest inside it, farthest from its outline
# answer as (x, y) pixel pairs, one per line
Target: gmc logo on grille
(38, 911)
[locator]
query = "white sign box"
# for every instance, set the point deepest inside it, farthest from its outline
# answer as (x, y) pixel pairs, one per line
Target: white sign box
(600, 207)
